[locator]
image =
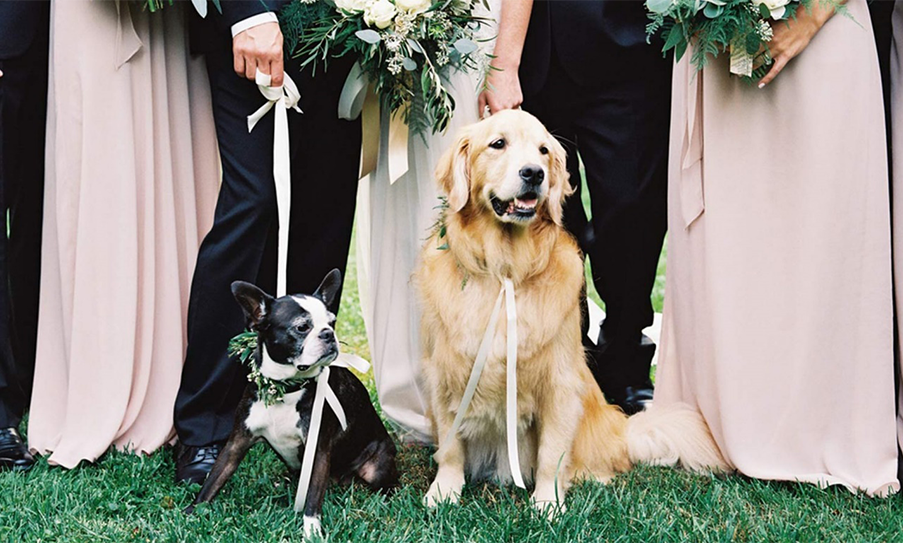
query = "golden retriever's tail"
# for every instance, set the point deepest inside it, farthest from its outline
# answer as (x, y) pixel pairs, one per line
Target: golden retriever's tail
(671, 435)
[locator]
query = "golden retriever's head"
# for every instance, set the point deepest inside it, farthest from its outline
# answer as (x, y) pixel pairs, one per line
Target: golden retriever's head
(508, 165)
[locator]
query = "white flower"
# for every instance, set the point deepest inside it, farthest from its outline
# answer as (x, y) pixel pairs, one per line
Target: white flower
(776, 7)
(380, 13)
(352, 5)
(413, 6)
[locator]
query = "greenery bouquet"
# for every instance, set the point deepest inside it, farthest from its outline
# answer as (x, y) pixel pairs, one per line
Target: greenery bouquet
(406, 48)
(154, 6)
(742, 27)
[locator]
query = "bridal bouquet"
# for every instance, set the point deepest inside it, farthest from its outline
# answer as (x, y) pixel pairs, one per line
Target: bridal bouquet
(406, 48)
(739, 26)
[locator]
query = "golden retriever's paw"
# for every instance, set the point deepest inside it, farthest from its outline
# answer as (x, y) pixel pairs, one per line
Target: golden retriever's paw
(445, 489)
(548, 505)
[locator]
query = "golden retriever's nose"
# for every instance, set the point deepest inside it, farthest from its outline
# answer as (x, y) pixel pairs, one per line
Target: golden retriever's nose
(532, 174)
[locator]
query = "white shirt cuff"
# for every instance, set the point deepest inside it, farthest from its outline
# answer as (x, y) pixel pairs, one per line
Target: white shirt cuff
(250, 22)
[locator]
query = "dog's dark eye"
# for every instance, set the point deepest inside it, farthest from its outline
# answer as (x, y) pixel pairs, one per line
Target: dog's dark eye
(303, 327)
(498, 144)
(543, 150)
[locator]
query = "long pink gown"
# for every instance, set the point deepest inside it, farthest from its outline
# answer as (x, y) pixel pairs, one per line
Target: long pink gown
(778, 309)
(132, 176)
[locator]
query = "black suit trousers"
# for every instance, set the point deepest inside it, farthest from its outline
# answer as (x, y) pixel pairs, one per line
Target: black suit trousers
(23, 113)
(618, 129)
(242, 243)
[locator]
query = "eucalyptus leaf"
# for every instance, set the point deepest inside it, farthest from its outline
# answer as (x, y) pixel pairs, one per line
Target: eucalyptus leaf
(658, 6)
(415, 46)
(368, 36)
(712, 11)
(764, 11)
(465, 46)
(409, 64)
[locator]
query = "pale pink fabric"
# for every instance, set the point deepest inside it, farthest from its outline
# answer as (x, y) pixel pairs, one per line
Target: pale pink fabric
(778, 308)
(896, 77)
(132, 176)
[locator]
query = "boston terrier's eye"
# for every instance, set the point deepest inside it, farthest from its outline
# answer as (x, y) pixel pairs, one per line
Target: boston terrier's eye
(304, 327)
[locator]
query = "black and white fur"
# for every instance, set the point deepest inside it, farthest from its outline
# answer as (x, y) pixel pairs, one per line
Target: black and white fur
(298, 333)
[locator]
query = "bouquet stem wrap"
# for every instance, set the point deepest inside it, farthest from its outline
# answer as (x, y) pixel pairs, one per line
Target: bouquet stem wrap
(357, 100)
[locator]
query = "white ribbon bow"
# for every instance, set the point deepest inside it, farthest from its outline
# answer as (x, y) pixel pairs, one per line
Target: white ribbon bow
(286, 97)
(507, 293)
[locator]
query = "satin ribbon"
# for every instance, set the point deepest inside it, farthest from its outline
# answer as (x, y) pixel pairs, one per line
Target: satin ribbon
(324, 393)
(287, 97)
(284, 98)
(692, 194)
(506, 294)
(357, 100)
(127, 41)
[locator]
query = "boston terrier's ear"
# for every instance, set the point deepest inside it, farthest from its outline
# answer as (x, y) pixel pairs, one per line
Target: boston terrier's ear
(253, 301)
(328, 289)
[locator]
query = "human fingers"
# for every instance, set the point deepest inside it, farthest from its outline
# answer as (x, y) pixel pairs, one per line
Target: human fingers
(779, 64)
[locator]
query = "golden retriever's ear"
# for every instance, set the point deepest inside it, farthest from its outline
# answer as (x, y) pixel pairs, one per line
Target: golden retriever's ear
(453, 172)
(559, 182)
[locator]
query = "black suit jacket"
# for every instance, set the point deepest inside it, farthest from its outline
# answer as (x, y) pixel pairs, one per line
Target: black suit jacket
(20, 22)
(214, 32)
(593, 40)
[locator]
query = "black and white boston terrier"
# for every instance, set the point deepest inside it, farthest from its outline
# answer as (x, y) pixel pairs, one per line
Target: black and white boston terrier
(297, 332)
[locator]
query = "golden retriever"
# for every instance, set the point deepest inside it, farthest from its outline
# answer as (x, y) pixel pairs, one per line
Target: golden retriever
(506, 181)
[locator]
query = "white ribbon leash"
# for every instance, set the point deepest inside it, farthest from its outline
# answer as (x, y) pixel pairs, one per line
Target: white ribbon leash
(506, 293)
(287, 97)
(324, 392)
(284, 98)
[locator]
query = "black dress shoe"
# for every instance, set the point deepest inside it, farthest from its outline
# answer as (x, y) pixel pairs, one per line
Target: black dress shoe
(636, 399)
(194, 463)
(13, 453)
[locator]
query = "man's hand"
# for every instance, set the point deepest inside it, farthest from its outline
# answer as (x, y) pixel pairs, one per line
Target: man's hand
(259, 47)
(502, 91)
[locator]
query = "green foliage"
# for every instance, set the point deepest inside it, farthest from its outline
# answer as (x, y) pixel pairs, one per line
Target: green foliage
(716, 26)
(408, 63)
(154, 6)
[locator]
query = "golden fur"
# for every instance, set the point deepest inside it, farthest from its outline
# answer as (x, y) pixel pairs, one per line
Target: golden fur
(566, 429)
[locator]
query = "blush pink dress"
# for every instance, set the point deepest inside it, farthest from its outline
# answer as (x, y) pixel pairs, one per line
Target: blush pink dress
(896, 67)
(131, 183)
(778, 319)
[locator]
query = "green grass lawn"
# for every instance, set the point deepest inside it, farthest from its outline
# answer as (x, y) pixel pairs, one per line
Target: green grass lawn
(125, 498)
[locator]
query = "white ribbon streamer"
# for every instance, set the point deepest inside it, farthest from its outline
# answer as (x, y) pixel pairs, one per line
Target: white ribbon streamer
(287, 97)
(324, 392)
(284, 98)
(506, 293)
(511, 382)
